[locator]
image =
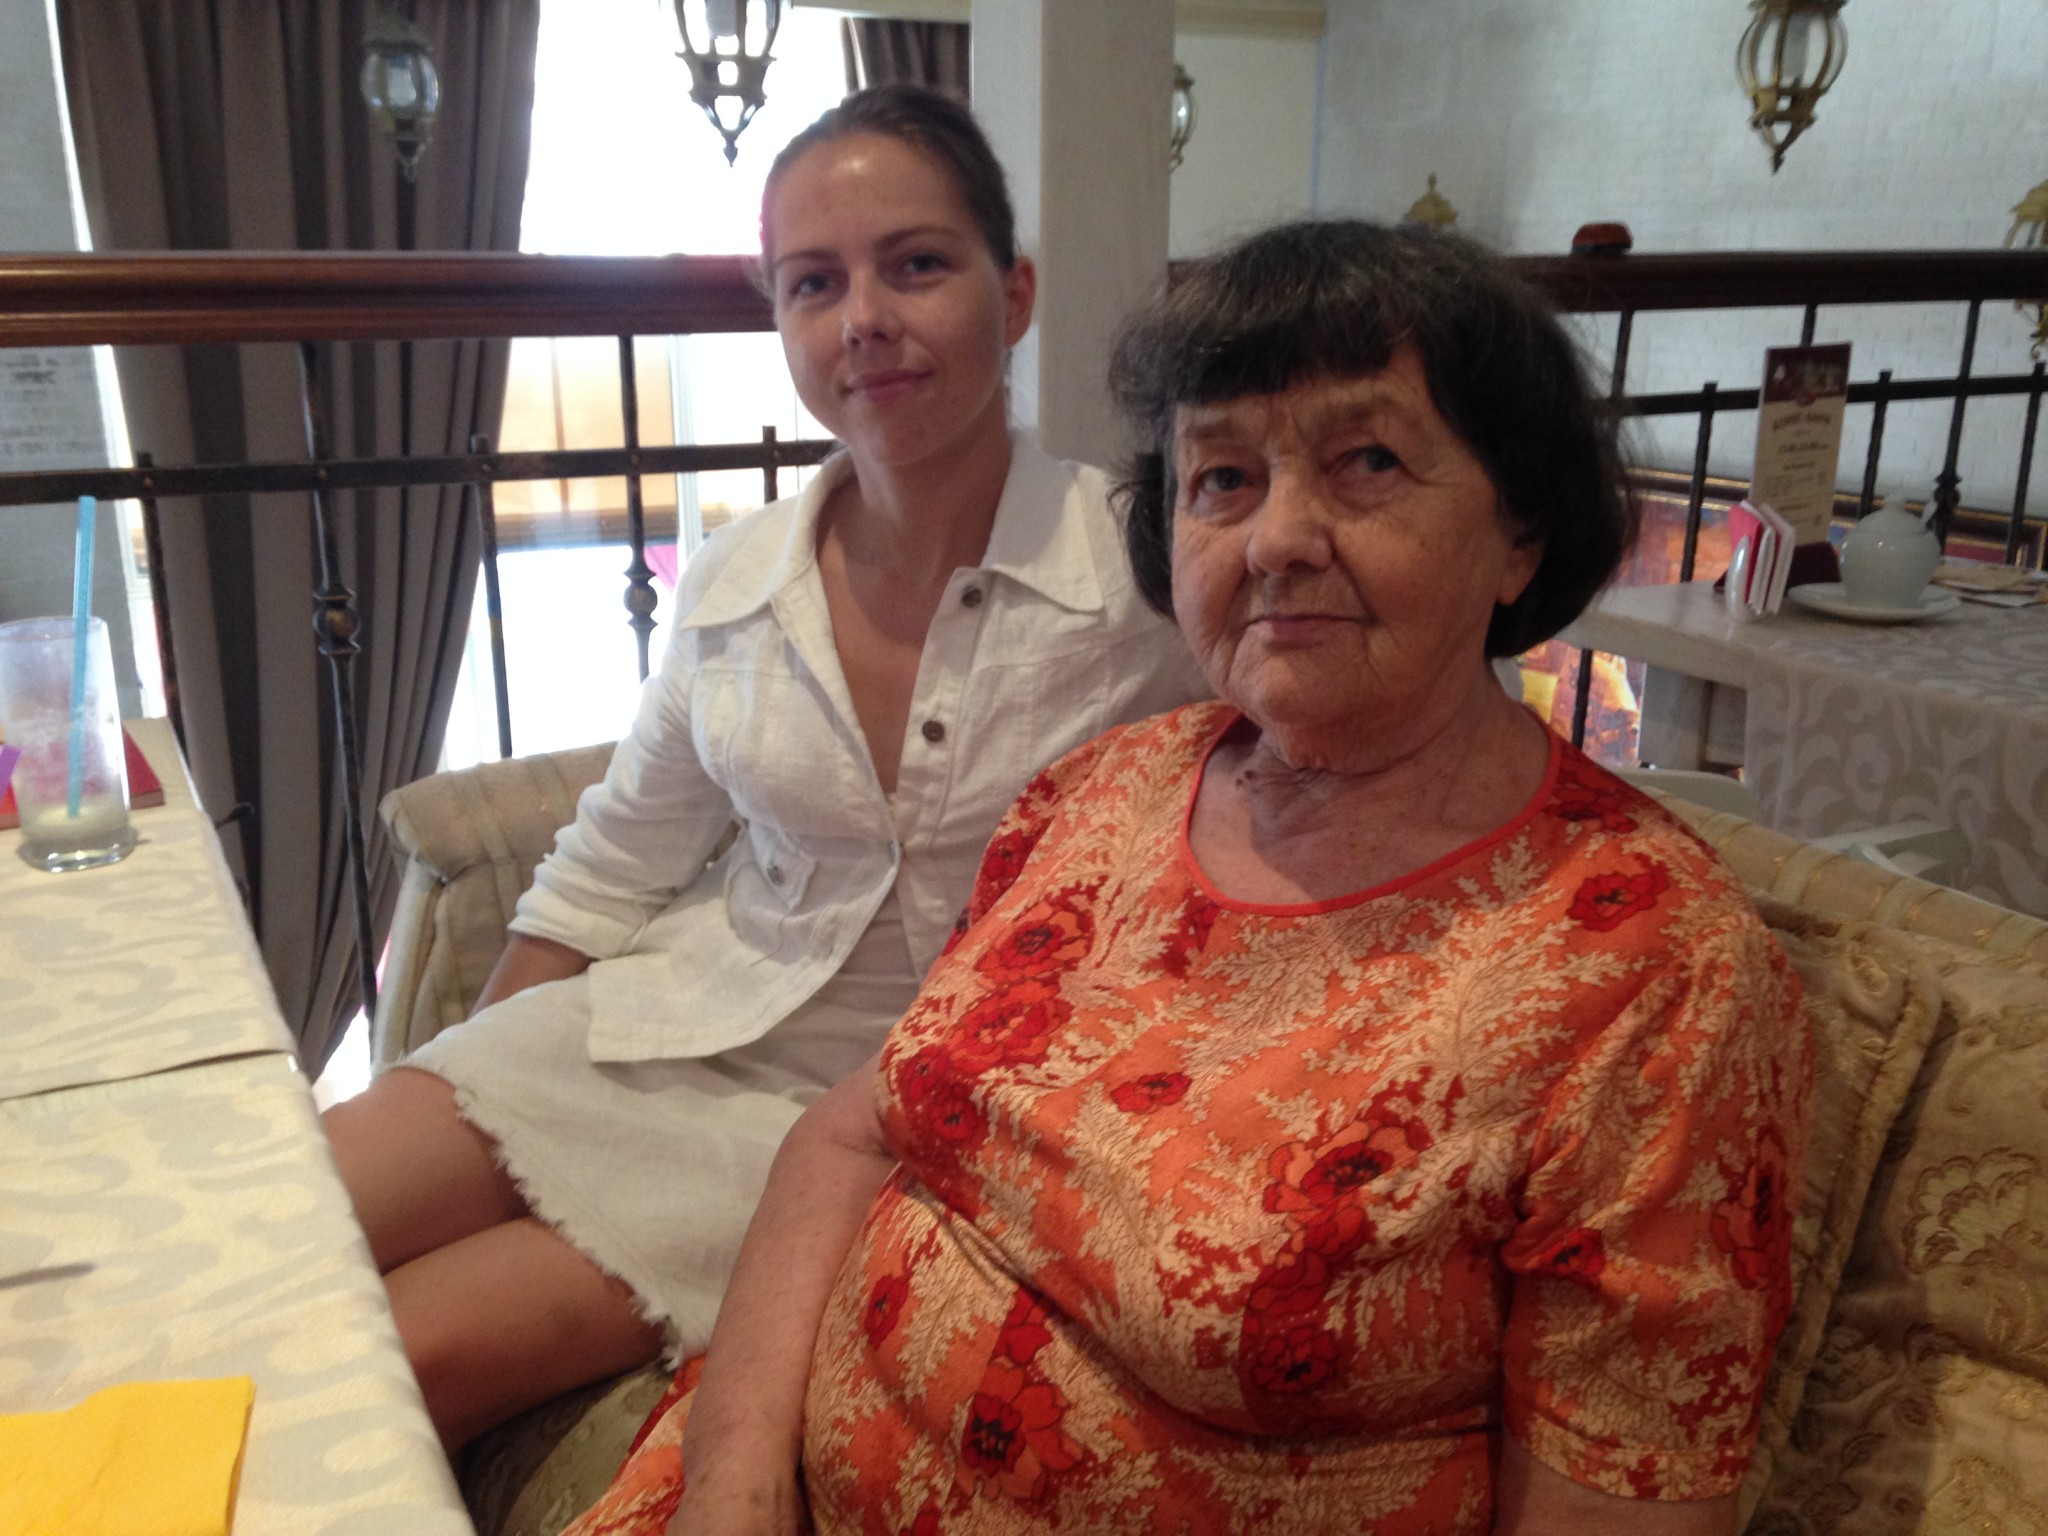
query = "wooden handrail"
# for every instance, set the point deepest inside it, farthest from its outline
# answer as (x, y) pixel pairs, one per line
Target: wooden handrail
(1764, 279)
(70, 300)
(366, 296)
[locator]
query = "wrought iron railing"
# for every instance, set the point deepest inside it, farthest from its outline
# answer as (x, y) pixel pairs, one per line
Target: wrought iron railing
(313, 299)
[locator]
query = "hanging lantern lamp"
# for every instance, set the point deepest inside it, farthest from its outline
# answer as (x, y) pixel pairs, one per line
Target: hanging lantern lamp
(1183, 114)
(401, 85)
(728, 65)
(1790, 54)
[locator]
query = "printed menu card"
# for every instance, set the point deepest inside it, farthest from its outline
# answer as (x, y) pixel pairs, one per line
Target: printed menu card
(1799, 435)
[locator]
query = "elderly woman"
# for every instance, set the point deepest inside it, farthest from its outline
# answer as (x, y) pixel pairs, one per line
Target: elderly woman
(1344, 1106)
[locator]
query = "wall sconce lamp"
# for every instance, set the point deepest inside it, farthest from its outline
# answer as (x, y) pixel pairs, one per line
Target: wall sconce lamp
(1183, 115)
(727, 70)
(400, 85)
(1789, 55)
(1432, 210)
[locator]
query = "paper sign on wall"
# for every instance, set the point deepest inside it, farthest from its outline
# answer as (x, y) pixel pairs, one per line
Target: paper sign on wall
(1799, 435)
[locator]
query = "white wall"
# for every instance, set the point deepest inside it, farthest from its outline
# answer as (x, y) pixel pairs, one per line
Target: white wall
(50, 415)
(1249, 161)
(1540, 115)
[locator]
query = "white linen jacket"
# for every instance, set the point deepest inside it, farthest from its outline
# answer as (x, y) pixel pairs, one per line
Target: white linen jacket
(1043, 645)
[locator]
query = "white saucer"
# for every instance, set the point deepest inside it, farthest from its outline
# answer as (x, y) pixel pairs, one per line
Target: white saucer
(1832, 599)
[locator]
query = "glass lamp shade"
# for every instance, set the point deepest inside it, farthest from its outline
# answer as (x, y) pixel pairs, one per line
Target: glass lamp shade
(727, 44)
(400, 85)
(1790, 53)
(1183, 126)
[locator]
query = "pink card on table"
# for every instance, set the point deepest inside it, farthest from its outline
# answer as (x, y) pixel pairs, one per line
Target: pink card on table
(1771, 543)
(144, 787)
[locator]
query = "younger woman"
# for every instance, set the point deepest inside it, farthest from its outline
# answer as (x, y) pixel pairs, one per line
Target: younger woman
(861, 678)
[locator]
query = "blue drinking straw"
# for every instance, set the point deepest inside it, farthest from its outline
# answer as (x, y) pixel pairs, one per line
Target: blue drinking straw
(81, 629)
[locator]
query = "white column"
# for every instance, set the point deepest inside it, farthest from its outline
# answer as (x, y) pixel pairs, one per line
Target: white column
(1076, 96)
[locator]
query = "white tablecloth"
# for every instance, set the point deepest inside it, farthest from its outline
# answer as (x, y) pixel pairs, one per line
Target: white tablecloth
(1851, 726)
(168, 1204)
(139, 967)
(189, 1224)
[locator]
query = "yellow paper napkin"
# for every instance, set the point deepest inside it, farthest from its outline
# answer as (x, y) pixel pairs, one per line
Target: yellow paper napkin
(148, 1458)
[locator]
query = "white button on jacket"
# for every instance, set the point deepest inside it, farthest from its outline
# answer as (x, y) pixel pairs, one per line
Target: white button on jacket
(1044, 645)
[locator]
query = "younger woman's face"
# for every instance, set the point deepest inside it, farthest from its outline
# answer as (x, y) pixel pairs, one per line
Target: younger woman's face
(894, 316)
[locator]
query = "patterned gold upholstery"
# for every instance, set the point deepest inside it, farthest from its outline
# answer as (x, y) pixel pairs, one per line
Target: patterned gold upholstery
(1836, 885)
(1872, 1004)
(1926, 1406)
(534, 1475)
(1911, 1389)
(469, 841)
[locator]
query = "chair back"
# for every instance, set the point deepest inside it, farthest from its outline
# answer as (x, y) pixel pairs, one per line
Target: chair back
(468, 841)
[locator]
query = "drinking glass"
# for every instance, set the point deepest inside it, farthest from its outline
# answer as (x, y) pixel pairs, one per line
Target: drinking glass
(36, 658)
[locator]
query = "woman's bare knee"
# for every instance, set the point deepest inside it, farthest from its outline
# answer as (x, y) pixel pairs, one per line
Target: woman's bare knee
(508, 1318)
(419, 1175)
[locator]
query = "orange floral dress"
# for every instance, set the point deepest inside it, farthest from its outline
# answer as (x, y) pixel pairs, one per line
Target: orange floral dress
(1214, 1216)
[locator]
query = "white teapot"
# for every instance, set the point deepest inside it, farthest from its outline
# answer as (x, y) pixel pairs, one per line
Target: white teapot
(1887, 559)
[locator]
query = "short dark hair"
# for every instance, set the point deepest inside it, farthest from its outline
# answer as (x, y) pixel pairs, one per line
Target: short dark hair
(1334, 298)
(936, 124)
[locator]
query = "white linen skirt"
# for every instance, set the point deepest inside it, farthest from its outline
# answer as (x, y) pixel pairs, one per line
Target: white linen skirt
(653, 1169)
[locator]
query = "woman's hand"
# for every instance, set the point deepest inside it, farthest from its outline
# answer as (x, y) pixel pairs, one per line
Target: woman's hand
(526, 961)
(1531, 1500)
(739, 1462)
(743, 1440)
(739, 1503)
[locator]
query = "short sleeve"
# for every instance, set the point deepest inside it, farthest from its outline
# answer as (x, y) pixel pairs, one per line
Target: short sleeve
(1023, 824)
(1652, 1260)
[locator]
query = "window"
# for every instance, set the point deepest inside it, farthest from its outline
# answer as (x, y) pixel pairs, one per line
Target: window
(623, 163)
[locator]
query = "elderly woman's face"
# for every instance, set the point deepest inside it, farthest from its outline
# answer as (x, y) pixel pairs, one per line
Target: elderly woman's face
(1337, 553)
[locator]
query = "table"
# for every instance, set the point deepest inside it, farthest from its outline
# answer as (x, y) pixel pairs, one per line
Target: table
(144, 966)
(168, 1206)
(1842, 726)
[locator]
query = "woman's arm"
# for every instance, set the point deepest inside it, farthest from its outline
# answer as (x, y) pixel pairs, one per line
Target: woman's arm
(646, 830)
(1531, 1500)
(527, 961)
(1658, 1208)
(744, 1436)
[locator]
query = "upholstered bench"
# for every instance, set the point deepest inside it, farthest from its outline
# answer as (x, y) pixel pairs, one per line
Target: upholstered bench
(1911, 1387)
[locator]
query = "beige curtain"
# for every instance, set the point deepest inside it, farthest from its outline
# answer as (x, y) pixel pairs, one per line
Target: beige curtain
(933, 53)
(237, 124)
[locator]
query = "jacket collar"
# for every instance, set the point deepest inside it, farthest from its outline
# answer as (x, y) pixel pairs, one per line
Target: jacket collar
(1040, 539)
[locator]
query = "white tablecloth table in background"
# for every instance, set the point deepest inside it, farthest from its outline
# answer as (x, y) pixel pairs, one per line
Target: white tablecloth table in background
(1847, 726)
(168, 1204)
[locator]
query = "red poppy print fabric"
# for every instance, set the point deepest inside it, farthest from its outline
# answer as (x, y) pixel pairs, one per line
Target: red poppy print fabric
(1214, 1217)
